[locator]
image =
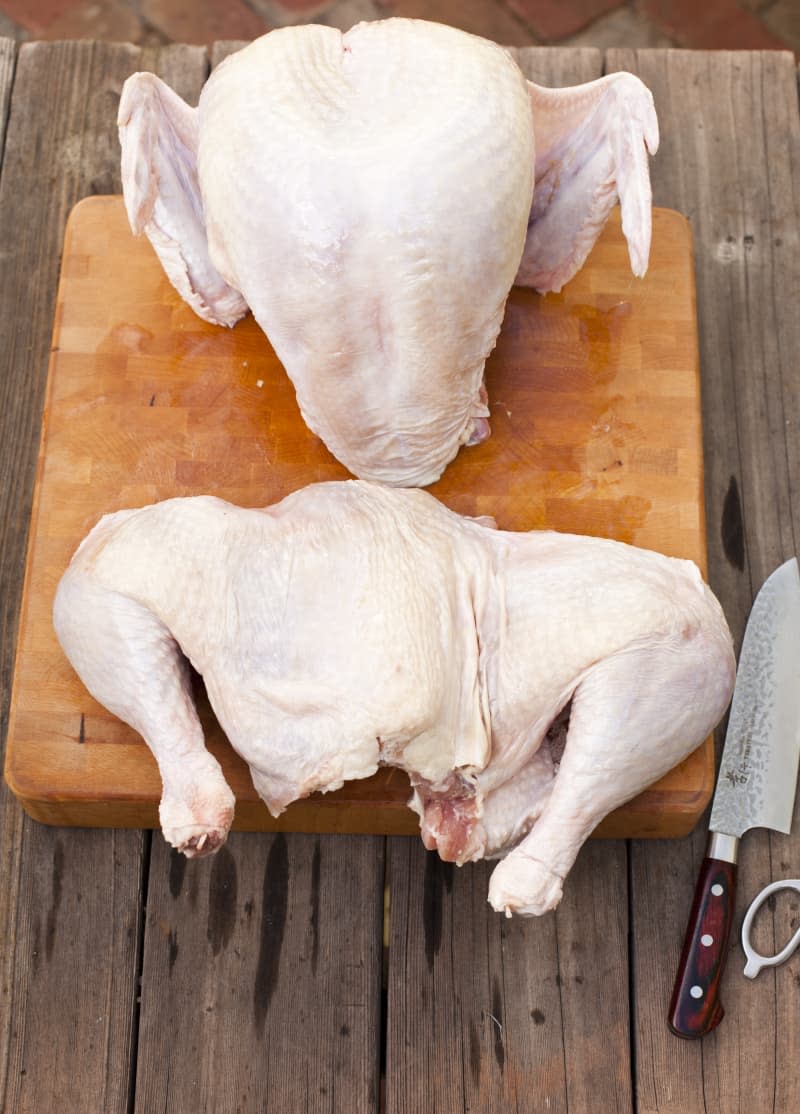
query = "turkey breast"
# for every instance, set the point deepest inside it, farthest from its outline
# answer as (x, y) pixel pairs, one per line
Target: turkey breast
(372, 197)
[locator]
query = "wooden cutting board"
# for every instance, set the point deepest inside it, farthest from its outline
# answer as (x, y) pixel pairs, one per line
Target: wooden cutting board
(596, 429)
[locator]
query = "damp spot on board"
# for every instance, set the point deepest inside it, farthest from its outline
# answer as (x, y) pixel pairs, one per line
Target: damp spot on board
(126, 338)
(177, 871)
(222, 894)
(600, 330)
(438, 878)
(55, 898)
(608, 443)
(555, 346)
(172, 948)
(732, 526)
(314, 912)
(601, 517)
(274, 905)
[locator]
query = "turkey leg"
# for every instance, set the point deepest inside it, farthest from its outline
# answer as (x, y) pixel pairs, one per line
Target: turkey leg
(130, 662)
(630, 718)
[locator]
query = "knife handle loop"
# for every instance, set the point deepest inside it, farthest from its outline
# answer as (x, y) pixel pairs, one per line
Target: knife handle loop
(695, 1008)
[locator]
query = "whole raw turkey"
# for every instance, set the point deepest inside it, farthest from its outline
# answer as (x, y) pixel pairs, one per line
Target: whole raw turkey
(372, 197)
(354, 625)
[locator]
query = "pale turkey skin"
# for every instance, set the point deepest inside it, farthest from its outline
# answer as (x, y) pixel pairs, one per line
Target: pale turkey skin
(370, 197)
(353, 625)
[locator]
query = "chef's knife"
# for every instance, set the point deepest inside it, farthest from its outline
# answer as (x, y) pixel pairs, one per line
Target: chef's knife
(755, 789)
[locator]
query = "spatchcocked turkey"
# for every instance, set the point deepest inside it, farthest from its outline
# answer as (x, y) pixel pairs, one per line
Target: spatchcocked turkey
(354, 625)
(372, 197)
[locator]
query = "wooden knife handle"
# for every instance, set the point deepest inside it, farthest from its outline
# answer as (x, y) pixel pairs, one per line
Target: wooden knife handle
(695, 1007)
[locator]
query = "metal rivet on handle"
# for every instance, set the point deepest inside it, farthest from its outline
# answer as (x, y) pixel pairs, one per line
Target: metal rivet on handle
(706, 940)
(696, 992)
(716, 889)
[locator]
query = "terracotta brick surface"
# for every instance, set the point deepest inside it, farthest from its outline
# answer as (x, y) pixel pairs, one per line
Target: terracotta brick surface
(108, 20)
(740, 30)
(624, 27)
(299, 7)
(202, 21)
(712, 25)
(708, 24)
(677, 15)
(36, 15)
(553, 20)
(783, 19)
(347, 13)
(278, 14)
(11, 30)
(492, 21)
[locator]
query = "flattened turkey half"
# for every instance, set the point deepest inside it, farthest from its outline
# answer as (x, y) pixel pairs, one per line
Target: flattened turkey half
(372, 197)
(354, 625)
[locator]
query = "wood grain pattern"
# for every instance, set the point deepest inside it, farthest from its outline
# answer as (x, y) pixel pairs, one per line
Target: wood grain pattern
(730, 159)
(11, 561)
(596, 430)
(8, 58)
(261, 978)
(482, 1009)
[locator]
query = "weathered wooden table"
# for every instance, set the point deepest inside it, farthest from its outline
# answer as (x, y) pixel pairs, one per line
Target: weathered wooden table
(258, 980)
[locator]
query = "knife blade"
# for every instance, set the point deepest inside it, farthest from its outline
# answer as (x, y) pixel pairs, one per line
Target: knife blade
(755, 788)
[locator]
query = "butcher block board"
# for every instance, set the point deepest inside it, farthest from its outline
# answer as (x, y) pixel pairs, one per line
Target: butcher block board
(596, 429)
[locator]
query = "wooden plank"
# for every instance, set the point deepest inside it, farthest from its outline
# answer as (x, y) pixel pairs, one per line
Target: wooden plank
(730, 159)
(261, 978)
(70, 902)
(11, 819)
(494, 1015)
(264, 963)
(474, 1007)
(147, 402)
(224, 47)
(558, 67)
(8, 58)
(482, 1009)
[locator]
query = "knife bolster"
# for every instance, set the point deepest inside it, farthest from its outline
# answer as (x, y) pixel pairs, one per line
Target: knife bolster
(722, 846)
